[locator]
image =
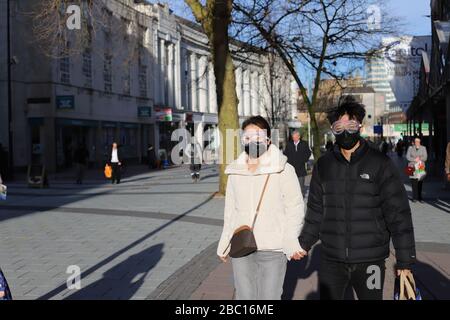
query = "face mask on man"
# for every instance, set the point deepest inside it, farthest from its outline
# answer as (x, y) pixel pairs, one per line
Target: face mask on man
(255, 149)
(347, 133)
(347, 140)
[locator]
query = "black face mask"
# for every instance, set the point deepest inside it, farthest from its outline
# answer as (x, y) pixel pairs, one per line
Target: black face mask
(347, 140)
(255, 149)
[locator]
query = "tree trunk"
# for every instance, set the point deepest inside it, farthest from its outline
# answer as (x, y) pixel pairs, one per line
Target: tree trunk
(227, 99)
(215, 19)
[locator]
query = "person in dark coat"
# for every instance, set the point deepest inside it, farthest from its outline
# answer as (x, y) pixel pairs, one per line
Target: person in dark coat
(80, 157)
(298, 153)
(151, 155)
(116, 163)
(357, 203)
(195, 155)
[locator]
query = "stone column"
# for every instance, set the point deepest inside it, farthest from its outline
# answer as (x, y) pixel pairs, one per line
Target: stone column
(203, 94)
(193, 82)
(170, 76)
(247, 97)
(163, 72)
(238, 75)
(212, 90)
(255, 93)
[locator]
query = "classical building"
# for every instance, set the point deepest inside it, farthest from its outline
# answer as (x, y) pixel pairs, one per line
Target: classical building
(144, 73)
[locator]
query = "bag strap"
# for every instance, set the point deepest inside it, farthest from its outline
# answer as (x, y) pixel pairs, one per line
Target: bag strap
(260, 201)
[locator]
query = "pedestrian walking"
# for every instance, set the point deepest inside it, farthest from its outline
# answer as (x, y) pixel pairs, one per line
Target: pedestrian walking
(262, 192)
(417, 157)
(384, 147)
(151, 157)
(195, 159)
(116, 163)
(298, 153)
(81, 157)
(399, 148)
(356, 203)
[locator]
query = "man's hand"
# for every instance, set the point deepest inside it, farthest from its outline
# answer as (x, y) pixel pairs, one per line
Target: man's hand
(223, 259)
(299, 255)
(2, 294)
(405, 271)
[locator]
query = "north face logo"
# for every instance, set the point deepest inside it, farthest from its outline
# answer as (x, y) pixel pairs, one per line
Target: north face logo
(365, 176)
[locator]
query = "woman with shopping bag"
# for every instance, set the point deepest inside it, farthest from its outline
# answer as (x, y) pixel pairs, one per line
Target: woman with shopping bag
(417, 157)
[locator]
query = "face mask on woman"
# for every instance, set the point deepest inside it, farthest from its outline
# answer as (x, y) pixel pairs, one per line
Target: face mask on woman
(255, 149)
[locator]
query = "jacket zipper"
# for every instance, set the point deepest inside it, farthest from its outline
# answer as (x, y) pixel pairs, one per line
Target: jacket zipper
(347, 218)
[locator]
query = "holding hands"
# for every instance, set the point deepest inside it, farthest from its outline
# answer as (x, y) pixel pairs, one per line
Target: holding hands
(299, 255)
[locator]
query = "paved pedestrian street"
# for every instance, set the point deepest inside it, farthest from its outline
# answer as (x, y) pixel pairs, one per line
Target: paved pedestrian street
(154, 236)
(126, 238)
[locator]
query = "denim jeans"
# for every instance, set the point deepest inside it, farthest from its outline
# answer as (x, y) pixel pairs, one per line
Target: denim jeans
(260, 275)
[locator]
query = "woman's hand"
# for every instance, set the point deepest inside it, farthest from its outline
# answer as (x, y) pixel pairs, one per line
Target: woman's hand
(223, 259)
(299, 255)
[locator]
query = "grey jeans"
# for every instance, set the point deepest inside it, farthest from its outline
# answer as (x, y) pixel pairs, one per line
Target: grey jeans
(260, 275)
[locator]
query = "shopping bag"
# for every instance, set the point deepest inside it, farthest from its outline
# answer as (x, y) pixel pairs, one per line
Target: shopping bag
(5, 293)
(108, 171)
(409, 171)
(405, 288)
(3, 190)
(419, 171)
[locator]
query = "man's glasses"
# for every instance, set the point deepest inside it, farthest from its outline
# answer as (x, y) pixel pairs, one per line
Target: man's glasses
(351, 126)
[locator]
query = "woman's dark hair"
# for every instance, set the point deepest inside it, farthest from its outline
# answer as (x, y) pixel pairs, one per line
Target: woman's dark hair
(258, 121)
(347, 105)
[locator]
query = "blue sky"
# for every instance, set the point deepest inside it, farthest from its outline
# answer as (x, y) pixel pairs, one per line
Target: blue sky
(412, 13)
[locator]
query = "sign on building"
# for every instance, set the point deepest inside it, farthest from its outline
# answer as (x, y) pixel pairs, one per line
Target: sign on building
(65, 102)
(163, 114)
(402, 59)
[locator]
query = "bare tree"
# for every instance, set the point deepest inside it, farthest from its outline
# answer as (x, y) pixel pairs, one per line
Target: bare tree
(326, 37)
(215, 18)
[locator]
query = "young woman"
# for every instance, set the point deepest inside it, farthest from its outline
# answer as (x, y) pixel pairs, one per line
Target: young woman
(260, 275)
(416, 153)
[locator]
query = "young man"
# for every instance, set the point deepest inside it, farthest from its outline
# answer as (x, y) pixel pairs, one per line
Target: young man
(356, 203)
(298, 153)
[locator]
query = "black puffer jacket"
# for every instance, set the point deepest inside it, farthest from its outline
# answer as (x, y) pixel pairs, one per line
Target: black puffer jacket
(355, 208)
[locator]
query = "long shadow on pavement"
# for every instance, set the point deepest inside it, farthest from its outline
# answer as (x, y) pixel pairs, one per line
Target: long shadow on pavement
(107, 260)
(120, 282)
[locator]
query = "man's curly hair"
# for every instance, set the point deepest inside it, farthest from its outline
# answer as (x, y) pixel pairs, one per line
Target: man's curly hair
(347, 105)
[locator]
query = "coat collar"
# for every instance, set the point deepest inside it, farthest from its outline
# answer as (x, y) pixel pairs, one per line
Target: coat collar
(272, 161)
(356, 156)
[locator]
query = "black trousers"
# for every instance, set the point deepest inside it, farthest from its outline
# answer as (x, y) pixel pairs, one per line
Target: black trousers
(115, 173)
(367, 279)
(417, 189)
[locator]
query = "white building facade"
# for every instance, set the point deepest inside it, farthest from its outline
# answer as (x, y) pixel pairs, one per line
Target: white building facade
(145, 73)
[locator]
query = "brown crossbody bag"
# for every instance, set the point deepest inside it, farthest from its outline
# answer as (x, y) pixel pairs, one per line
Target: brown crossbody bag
(243, 241)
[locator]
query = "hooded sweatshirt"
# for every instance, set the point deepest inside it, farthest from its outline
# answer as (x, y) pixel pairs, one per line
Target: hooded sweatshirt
(281, 213)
